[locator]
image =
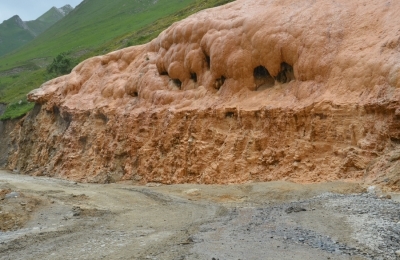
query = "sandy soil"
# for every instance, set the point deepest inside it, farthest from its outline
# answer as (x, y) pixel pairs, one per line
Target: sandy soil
(57, 219)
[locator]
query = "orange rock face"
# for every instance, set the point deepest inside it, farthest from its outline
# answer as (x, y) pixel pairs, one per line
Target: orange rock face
(251, 91)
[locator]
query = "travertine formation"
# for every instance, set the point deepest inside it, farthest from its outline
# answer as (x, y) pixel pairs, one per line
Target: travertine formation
(255, 90)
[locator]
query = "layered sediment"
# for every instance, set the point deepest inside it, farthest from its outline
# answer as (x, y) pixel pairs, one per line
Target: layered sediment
(251, 91)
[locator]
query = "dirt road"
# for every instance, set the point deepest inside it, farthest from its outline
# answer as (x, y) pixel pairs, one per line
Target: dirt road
(57, 219)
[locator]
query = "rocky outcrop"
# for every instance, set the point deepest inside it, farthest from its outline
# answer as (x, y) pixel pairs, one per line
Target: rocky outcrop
(250, 91)
(66, 9)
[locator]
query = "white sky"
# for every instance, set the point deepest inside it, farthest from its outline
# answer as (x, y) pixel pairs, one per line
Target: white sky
(30, 9)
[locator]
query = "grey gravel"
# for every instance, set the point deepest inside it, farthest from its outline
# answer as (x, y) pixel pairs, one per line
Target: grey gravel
(292, 209)
(372, 224)
(12, 195)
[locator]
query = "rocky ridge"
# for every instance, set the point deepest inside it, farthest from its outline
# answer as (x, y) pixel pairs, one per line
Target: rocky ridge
(66, 9)
(249, 91)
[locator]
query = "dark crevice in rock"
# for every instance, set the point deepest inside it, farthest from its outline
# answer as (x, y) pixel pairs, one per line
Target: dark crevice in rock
(219, 82)
(262, 78)
(177, 83)
(229, 114)
(63, 119)
(67, 118)
(395, 140)
(286, 74)
(193, 76)
(208, 61)
(133, 93)
(56, 110)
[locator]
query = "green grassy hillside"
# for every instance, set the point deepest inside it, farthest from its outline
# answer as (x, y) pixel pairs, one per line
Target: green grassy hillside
(94, 27)
(93, 23)
(13, 35)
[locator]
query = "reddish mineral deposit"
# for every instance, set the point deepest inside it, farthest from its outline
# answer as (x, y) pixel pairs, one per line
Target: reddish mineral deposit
(254, 90)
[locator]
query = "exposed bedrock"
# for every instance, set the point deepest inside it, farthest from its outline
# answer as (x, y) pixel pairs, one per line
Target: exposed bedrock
(253, 90)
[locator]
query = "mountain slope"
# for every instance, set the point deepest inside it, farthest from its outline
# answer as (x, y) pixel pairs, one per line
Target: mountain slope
(92, 23)
(48, 19)
(15, 33)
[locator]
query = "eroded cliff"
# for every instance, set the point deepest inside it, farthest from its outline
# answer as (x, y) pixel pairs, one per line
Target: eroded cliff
(251, 91)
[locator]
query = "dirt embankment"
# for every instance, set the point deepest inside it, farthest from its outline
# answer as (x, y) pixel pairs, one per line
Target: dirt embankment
(231, 94)
(277, 220)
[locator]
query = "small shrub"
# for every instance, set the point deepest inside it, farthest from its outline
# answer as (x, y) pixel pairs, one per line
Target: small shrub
(61, 65)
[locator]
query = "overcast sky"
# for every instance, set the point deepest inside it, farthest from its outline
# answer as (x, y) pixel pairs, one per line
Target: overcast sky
(30, 9)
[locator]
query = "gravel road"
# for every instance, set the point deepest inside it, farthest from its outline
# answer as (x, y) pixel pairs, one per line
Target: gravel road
(58, 219)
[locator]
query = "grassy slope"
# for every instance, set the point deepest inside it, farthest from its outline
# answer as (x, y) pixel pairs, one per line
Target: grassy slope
(93, 28)
(92, 23)
(12, 36)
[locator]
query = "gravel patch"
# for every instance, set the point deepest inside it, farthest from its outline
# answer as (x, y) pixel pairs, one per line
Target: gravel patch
(367, 227)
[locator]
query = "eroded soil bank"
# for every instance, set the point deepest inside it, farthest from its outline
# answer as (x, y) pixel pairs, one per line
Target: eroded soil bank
(276, 220)
(250, 91)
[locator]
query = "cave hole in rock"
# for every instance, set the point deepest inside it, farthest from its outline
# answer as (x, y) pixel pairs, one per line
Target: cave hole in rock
(286, 74)
(193, 76)
(164, 73)
(219, 82)
(229, 114)
(177, 83)
(133, 93)
(262, 78)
